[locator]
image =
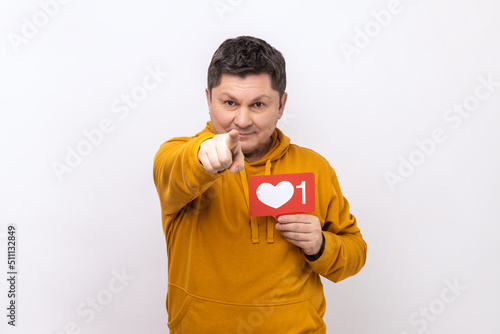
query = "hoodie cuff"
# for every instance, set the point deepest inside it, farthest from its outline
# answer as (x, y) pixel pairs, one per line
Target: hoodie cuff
(324, 262)
(319, 253)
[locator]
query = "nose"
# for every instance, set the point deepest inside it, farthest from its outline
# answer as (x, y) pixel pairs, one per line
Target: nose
(243, 118)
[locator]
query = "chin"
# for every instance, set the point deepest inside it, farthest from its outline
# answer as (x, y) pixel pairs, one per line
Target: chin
(247, 149)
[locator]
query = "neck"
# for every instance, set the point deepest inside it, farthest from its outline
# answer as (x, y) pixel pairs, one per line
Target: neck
(256, 156)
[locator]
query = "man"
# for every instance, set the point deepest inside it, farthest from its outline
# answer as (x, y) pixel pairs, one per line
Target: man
(229, 272)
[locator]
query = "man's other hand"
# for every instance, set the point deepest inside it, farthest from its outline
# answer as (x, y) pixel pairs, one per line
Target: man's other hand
(222, 152)
(302, 230)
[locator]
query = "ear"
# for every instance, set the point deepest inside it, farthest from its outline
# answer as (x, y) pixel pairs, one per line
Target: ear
(282, 104)
(209, 98)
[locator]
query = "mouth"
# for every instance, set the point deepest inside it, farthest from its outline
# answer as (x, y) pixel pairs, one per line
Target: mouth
(244, 135)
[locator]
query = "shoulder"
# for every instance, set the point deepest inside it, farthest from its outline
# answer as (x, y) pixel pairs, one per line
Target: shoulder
(309, 160)
(308, 154)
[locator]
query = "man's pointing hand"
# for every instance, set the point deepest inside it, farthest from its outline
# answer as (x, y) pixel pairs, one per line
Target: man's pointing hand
(222, 152)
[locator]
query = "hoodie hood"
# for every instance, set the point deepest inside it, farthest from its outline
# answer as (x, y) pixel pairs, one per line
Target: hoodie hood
(279, 147)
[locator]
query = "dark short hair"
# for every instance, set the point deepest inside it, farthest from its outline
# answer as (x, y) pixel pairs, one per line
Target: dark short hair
(245, 55)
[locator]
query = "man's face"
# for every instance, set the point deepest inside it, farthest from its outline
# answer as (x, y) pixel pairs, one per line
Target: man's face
(249, 105)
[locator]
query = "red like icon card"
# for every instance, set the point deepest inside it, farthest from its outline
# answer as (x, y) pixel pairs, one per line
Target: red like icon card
(281, 194)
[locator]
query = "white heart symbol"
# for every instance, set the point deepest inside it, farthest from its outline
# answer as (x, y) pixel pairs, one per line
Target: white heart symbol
(275, 196)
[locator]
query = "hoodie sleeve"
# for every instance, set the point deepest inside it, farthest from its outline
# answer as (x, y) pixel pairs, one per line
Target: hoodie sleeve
(345, 250)
(178, 174)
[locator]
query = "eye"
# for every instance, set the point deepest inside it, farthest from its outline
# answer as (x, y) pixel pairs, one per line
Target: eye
(229, 103)
(259, 104)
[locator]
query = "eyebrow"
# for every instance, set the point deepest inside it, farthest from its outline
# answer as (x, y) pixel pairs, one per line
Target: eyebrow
(260, 97)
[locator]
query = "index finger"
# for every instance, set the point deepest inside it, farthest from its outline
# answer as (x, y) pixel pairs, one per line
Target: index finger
(296, 218)
(233, 137)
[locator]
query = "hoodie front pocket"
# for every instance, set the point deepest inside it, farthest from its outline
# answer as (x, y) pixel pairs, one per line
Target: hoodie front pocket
(180, 314)
(314, 315)
(178, 302)
(204, 316)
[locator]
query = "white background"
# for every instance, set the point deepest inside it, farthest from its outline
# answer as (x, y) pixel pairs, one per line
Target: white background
(364, 112)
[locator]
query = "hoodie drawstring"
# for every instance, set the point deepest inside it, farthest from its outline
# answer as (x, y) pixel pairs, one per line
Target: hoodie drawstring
(269, 220)
(254, 224)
